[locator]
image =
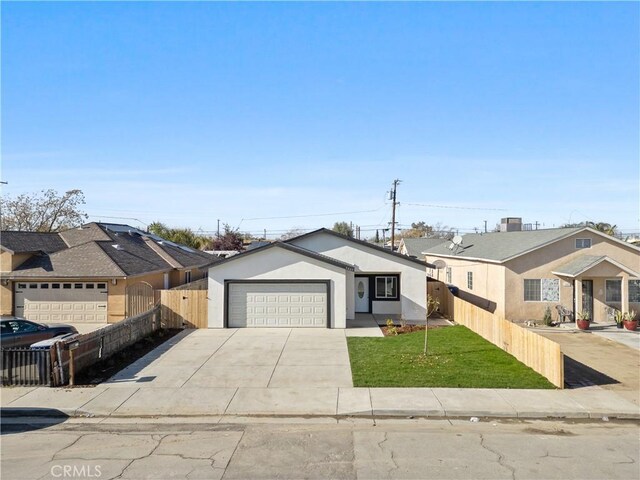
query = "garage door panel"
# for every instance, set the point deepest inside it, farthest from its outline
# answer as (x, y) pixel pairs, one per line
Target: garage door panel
(47, 302)
(277, 305)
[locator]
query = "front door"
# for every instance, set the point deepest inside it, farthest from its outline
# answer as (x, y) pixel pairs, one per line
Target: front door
(362, 294)
(587, 297)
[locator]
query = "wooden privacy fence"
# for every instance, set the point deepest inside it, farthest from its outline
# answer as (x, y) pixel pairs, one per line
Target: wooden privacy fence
(184, 308)
(537, 352)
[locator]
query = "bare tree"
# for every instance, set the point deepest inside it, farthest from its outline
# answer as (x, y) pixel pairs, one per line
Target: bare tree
(294, 232)
(46, 211)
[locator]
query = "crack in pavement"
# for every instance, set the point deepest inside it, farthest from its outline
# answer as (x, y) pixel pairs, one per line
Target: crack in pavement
(391, 454)
(500, 457)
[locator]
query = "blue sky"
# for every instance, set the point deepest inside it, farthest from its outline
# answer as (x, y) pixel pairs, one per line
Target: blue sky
(193, 112)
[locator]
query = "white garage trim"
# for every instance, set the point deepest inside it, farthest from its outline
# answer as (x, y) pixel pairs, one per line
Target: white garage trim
(288, 285)
(60, 301)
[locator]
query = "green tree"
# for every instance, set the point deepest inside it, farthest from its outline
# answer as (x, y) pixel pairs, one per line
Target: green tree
(343, 228)
(46, 211)
(183, 236)
(603, 227)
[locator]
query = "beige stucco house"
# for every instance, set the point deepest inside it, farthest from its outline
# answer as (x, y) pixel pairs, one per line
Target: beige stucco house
(518, 274)
(96, 273)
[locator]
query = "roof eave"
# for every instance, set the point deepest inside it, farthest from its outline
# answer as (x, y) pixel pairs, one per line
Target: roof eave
(361, 242)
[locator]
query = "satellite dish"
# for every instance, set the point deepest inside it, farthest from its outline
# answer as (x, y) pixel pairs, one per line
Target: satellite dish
(440, 264)
(457, 240)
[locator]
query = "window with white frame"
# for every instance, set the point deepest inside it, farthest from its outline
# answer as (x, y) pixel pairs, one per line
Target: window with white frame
(613, 290)
(583, 243)
(448, 274)
(541, 290)
(470, 280)
(386, 288)
(634, 291)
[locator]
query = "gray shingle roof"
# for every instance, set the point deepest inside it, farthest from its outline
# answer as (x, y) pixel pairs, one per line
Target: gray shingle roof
(90, 232)
(584, 263)
(87, 260)
(415, 246)
(23, 242)
(579, 264)
(89, 252)
(501, 246)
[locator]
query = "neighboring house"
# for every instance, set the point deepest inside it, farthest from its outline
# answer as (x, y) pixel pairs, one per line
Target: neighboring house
(518, 274)
(413, 247)
(98, 273)
(319, 279)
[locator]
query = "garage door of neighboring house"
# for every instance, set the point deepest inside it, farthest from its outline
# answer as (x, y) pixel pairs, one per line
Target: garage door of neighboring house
(61, 301)
(278, 305)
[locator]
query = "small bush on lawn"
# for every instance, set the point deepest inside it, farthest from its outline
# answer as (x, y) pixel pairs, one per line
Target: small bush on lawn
(457, 357)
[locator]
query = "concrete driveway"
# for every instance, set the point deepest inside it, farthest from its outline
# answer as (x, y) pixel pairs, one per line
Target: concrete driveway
(232, 358)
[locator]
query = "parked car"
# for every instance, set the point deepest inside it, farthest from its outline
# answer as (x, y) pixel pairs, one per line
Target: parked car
(20, 332)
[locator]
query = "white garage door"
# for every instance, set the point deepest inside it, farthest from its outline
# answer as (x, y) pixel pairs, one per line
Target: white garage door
(278, 305)
(62, 302)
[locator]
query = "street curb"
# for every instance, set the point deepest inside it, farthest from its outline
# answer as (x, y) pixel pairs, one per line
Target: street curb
(386, 414)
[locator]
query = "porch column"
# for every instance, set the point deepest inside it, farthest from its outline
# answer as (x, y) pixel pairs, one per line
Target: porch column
(577, 305)
(624, 293)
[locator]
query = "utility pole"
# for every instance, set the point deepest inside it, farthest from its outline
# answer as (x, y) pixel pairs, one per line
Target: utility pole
(265, 233)
(536, 224)
(485, 226)
(393, 214)
(218, 228)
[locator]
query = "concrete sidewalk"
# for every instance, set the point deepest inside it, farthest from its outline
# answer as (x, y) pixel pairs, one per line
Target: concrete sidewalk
(120, 402)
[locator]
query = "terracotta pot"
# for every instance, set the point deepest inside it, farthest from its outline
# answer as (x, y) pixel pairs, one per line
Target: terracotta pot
(631, 325)
(583, 324)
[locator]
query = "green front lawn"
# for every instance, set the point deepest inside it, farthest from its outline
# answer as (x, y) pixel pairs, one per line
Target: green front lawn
(457, 357)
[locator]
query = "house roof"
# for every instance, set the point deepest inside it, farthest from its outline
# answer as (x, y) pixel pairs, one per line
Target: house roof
(108, 250)
(291, 248)
(27, 242)
(361, 242)
(415, 246)
(87, 260)
(583, 263)
(502, 246)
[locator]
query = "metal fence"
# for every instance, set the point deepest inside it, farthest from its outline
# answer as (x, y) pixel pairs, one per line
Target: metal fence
(55, 365)
(26, 367)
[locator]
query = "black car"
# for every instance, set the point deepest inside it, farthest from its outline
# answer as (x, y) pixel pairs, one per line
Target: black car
(19, 332)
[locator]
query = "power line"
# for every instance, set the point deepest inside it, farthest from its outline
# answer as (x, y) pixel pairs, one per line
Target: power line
(455, 207)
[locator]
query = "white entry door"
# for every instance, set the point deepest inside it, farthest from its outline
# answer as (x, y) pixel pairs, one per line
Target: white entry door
(362, 294)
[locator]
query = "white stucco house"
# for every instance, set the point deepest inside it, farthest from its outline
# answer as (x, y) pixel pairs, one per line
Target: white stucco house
(319, 279)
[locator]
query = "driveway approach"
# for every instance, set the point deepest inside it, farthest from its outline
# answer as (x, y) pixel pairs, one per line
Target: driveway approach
(231, 358)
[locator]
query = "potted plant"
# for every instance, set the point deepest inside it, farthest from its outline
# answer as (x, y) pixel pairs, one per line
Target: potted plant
(583, 320)
(618, 316)
(630, 321)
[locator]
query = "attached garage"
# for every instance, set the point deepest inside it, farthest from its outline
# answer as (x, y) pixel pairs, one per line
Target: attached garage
(52, 302)
(279, 286)
(278, 304)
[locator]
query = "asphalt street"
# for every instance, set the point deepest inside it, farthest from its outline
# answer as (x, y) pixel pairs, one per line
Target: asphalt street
(272, 448)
